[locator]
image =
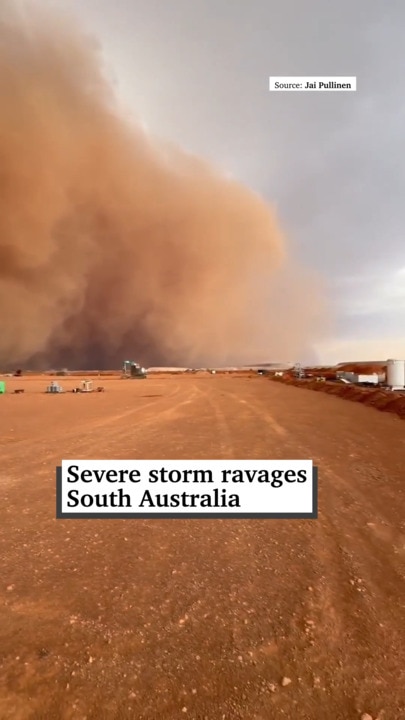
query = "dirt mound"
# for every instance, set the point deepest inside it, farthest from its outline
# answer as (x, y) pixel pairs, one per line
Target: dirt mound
(377, 398)
(365, 368)
(329, 373)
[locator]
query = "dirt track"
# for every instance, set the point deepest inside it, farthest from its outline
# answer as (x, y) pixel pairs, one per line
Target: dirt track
(202, 619)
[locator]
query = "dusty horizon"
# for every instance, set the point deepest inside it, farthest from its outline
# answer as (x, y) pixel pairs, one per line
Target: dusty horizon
(115, 244)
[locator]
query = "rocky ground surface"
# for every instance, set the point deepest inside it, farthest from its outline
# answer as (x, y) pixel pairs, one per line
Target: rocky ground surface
(195, 619)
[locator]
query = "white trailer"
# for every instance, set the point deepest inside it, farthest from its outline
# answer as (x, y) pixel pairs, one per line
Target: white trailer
(372, 379)
(358, 379)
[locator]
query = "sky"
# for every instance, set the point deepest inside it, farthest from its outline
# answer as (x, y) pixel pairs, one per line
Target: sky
(196, 72)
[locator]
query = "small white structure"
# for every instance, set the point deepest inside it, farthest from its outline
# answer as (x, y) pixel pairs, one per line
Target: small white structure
(372, 379)
(87, 386)
(396, 374)
(54, 387)
(357, 379)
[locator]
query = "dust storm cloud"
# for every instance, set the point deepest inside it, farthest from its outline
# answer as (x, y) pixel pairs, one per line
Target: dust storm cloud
(114, 244)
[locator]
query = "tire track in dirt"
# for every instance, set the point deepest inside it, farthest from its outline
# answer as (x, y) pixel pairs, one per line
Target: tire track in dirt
(226, 440)
(223, 607)
(356, 619)
(81, 442)
(152, 426)
(348, 595)
(84, 426)
(366, 505)
(268, 418)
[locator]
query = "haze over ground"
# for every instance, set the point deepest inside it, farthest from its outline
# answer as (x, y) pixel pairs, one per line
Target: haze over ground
(113, 243)
(333, 163)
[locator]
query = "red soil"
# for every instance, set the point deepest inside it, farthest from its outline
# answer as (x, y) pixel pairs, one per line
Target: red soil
(385, 400)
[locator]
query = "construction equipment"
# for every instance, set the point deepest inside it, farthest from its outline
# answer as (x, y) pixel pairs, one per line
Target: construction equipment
(133, 371)
(298, 371)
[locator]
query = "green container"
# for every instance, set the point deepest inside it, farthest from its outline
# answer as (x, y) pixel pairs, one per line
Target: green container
(2, 387)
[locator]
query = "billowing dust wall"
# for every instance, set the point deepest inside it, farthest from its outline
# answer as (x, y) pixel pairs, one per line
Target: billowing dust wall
(113, 244)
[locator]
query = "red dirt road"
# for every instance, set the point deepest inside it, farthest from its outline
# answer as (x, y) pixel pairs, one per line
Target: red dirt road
(171, 619)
